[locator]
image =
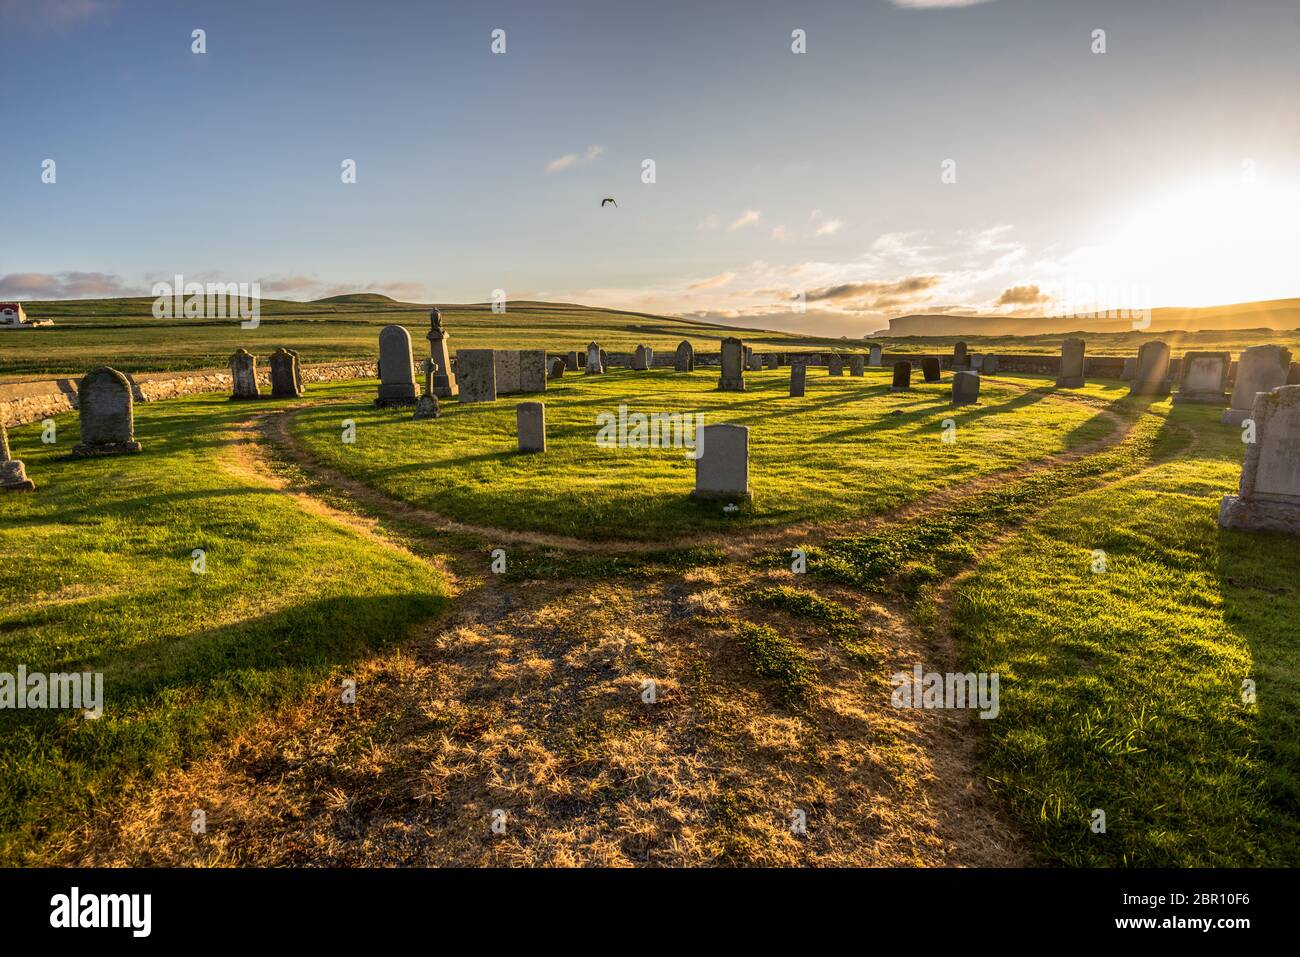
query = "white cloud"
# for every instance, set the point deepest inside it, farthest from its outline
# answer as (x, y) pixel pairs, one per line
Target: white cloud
(829, 227)
(713, 282)
(749, 217)
(569, 160)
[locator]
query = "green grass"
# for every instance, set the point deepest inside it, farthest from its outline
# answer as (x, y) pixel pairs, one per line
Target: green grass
(780, 661)
(1122, 691)
(837, 453)
(98, 578)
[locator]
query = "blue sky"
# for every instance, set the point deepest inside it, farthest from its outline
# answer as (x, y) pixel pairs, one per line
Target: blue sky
(1166, 168)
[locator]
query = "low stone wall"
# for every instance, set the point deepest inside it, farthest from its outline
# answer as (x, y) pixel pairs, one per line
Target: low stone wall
(23, 402)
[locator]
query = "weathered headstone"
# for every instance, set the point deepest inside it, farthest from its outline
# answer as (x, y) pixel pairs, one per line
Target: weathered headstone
(1070, 375)
(1259, 369)
(874, 359)
(428, 406)
(902, 377)
(107, 414)
(285, 376)
(733, 369)
(1204, 378)
(772, 361)
(557, 367)
(594, 366)
(965, 388)
(857, 365)
(13, 474)
(643, 358)
(396, 368)
(444, 379)
(835, 364)
(1129, 370)
(572, 362)
(530, 420)
(931, 371)
(604, 361)
(684, 358)
(508, 370)
(1269, 495)
(798, 378)
(243, 375)
(1152, 377)
(990, 365)
(755, 362)
(722, 463)
(532, 370)
(960, 358)
(476, 375)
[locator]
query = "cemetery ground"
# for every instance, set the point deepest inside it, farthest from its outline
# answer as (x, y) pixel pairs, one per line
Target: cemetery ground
(523, 691)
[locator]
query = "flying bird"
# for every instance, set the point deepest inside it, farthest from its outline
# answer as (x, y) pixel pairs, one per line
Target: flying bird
(607, 199)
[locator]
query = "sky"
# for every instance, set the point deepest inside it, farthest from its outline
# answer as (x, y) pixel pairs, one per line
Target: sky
(917, 157)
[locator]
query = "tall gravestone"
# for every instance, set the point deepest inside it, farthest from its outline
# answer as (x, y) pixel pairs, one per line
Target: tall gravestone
(1259, 369)
(684, 358)
(286, 379)
(428, 407)
(857, 365)
(722, 462)
(1070, 375)
(733, 366)
(1204, 378)
(1152, 376)
(476, 375)
(1268, 498)
(604, 361)
(594, 353)
(571, 362)
(960, 358)
(874, 359)
(530, 421)
(835, 364)
(902, 377)
(798, 378)
(643, 358)
(532, 370)
(508, 371)
(930, 369)
(243, 375)
(13, 474)
(396, 368)
(965, 388)
(107, 413)
(444, 379)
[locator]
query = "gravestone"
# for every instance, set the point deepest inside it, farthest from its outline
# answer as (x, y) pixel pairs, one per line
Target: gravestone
(557, 367)
(857, 365)
(643, 358)
(722, 462)
(1152, 376)
(684, 358)
(428, 406)
(733, 366)
(772, 361)
(874, 359)
(930, 369)
(1268, 498)
(990, 365)
(594, 353)
(572, 362)
(798, 379)
(286, 378)
(508, 371)
(965, 388)
(444, 379)
(1204, 378)
(13, 474)
(604, 361)
(532, 370)
(396, 368)
(1129, 370)
(1259, 369)
(755, 362)
(243, 375)
(476, 375)
(902, 377)
(960, 359)
(107, 414)
(530, 420)
(1070, 375)
(835, 364)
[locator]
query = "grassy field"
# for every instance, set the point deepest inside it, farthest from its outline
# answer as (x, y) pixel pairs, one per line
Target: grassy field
(1121, 691)
(807, 456)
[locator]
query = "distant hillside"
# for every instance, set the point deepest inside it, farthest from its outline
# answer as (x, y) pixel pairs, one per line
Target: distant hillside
(374, 298)
(1270, 314)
